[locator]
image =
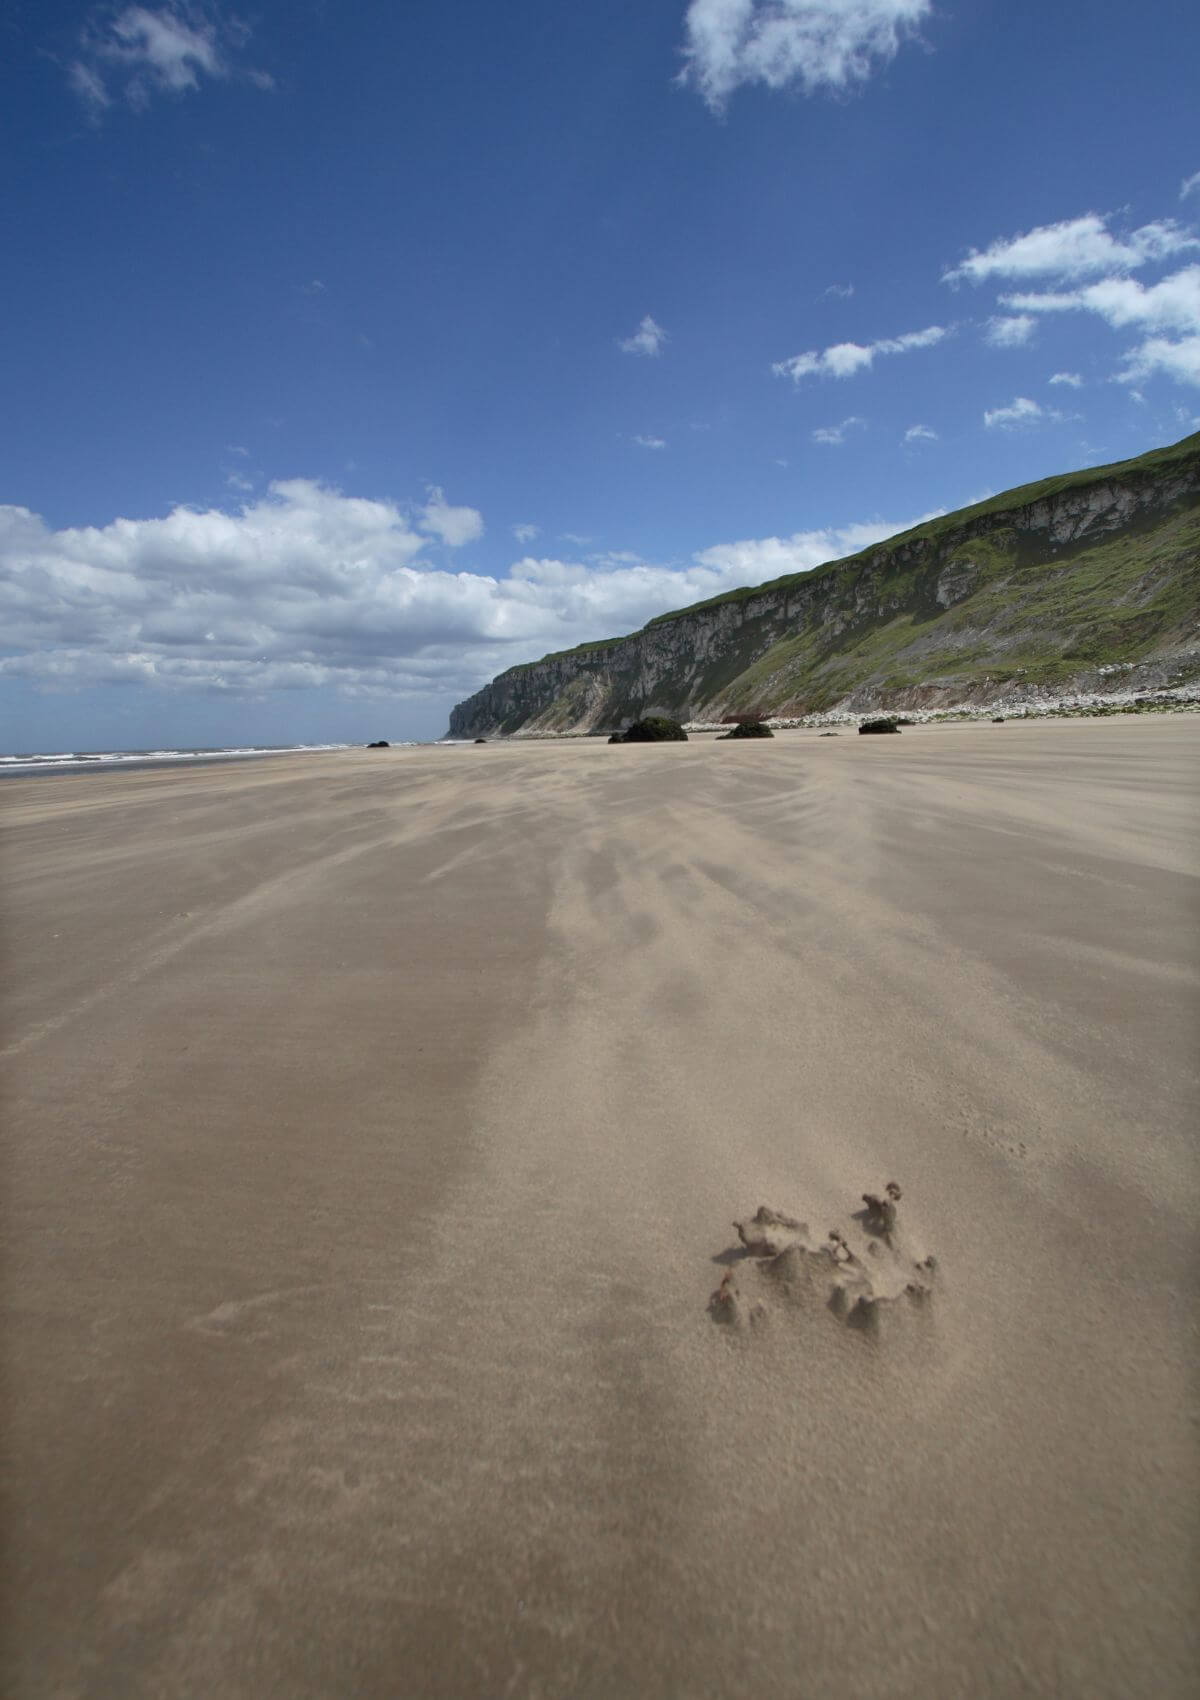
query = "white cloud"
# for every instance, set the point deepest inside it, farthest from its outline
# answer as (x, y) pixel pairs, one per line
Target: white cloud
(1076, 247)
(235, 481)
(1022, 411)
(812, 43)
(650, 442)
(836, 434)
(455, 526)
(846, 358)
(756, 559)
(647, 339)
(843, 291)
(1179, 360)
(139, 51)
(1072, 379)
(920, 434)
(525, 533)
(1012, 332)
(1189, 185)
(305, 587)
(1170, 306)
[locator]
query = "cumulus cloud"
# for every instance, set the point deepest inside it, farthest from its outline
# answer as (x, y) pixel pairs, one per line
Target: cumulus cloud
(651, 442)
(306, 587)
(844, 359)
(920, 434)
(1022, 411)
(756, 559)
(140, 51)
(1071, 379)
(647, 339)
(455, 526)
(812, 44)
(1076, 247)
(835, 435)
(1170, 307)
(1010, 332)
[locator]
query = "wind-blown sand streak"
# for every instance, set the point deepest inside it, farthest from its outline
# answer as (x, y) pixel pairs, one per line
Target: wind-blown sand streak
(378, 1125)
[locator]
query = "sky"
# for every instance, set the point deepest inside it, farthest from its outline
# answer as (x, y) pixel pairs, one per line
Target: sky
(351, 354)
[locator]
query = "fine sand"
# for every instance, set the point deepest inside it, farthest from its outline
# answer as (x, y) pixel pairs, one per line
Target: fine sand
(376, 1126)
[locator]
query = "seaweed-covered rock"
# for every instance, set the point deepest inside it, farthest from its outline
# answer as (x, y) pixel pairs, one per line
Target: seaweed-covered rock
(655, 729)
(749, 729)
(481, 740)
(382, 744)
(884, 723)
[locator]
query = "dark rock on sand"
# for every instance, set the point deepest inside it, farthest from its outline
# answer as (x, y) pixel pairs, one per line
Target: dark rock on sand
(655, 729)
(381, 745)
(883, 724)
(749, 729)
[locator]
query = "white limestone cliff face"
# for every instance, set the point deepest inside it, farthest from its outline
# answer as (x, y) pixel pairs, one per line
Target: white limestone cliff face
(694, 664)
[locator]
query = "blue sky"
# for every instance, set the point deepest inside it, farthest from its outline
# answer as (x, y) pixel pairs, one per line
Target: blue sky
(353, 353)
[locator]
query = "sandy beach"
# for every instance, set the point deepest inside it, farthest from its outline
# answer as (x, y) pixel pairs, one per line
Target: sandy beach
(375, 1127)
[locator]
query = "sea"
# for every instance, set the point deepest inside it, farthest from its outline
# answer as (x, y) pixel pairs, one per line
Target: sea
(110, 761)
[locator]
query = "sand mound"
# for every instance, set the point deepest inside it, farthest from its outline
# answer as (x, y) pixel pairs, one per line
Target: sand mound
(858, 1267)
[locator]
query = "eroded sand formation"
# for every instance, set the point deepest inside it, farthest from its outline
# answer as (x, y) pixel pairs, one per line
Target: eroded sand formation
(861, 1266)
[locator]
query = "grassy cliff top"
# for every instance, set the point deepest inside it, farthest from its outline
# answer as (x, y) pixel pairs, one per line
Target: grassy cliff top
(1153, 463)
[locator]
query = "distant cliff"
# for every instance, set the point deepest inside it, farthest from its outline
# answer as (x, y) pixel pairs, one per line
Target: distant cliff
(1045, 589)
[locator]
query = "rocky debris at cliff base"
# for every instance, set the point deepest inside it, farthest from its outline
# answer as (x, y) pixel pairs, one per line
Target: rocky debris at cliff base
(861, 1268)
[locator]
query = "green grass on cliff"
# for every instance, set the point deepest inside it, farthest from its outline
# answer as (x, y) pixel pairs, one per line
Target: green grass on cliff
(1147, 466)
(935, 531)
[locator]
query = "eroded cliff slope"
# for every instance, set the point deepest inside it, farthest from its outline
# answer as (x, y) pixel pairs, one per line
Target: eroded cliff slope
(1045, 589)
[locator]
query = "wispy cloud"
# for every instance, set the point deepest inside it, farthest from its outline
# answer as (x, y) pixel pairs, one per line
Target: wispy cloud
(843, 291)
(1074, 248)
(526, 533)
(1170, 308)
(1010, 332)
(650, 442)
(139, 51)
(812, 43)
(846, 358)
(647, 339)
(1071, 379)
(1022, 411)
(920, 434)
(835, 435)
(1189, 186)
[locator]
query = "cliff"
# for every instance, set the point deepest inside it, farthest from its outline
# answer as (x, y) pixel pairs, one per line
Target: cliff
(1044, 590)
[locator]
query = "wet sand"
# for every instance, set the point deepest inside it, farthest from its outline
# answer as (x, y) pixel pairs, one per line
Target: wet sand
(375, 1127)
